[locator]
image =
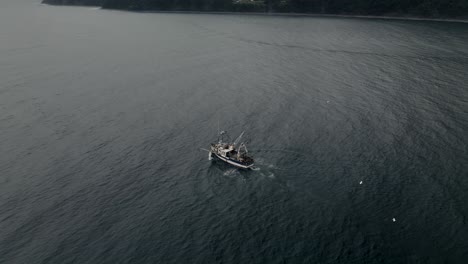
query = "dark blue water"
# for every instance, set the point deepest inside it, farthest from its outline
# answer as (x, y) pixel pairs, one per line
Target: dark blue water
(102, 114)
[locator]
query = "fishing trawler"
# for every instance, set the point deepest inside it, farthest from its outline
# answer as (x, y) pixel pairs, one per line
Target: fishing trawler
(233, 153)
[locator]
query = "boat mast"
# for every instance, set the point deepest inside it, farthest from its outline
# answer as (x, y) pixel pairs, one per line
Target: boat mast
(238, 139)
(220, 135)
(242, 145)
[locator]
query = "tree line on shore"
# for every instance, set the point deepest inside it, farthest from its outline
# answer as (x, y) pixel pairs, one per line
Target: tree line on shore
(423, 8)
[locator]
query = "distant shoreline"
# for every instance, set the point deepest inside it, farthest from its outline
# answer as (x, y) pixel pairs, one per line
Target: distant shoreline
(410, 18)
(402, 18)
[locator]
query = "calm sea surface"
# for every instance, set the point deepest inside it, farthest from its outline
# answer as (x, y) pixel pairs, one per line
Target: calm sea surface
(102, 114)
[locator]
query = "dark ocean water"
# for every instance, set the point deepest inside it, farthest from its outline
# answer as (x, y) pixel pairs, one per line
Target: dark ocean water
(102, 114)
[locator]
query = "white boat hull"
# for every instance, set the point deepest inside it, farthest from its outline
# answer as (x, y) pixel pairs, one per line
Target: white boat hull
(227, 160)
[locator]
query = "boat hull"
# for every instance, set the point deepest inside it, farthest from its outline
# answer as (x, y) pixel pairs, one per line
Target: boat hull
(233, 162)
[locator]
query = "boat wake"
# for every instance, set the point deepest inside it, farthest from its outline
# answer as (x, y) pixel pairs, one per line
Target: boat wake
(231, 172)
